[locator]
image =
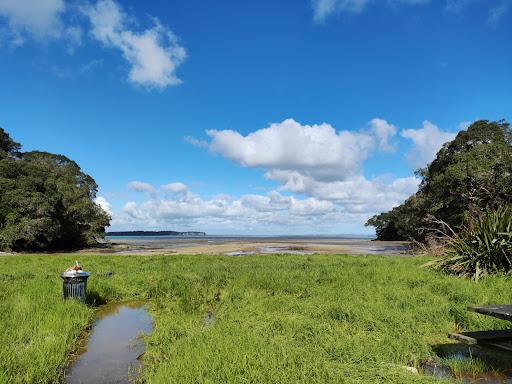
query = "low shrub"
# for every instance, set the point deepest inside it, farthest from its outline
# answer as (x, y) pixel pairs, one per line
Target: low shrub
(482, 248)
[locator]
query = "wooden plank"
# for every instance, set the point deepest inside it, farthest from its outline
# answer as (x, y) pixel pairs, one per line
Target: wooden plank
(505, 346)
(482, 336)
(502, 311)
(462, 338)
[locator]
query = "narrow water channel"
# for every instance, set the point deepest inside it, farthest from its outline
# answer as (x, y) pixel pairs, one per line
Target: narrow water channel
(113, 346)
(497, 363)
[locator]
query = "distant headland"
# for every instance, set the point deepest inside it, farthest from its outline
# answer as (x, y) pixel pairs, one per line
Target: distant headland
(155, 233)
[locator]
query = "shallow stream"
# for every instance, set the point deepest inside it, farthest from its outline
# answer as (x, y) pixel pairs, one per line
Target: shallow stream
(113, 347)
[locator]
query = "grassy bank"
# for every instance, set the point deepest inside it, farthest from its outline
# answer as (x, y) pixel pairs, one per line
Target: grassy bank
(278, 319)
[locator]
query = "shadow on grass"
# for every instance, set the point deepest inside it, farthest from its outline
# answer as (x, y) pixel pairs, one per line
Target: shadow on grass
(94, 299)
(471, 362)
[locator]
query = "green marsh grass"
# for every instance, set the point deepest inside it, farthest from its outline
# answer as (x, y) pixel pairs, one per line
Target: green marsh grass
(277, 319)
(461, 366)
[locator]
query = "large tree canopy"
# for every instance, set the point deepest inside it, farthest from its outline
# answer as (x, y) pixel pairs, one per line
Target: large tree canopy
(470, 175)
(7, 145)
(46, 201)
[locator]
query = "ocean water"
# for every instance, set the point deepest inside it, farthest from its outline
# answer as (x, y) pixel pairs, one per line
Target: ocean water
(217, 238)
(180, 241)
(356, 244)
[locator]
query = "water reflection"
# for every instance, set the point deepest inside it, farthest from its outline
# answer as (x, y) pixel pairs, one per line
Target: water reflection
(113, 346)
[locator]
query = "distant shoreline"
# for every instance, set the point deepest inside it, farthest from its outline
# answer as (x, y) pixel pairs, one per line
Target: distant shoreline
(154, 233)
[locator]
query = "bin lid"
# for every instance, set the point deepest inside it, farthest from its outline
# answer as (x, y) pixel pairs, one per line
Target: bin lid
(75, 274)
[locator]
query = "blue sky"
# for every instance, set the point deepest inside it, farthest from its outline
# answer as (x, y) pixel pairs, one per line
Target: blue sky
(288, 117)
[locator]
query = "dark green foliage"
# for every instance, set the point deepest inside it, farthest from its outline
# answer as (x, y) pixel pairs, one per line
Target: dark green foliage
(470, 175)
(482, 249)
(46, 201)
(397, 223)
(7, 145)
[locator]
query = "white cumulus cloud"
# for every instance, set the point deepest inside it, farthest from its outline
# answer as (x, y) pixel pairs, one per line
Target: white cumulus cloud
(270, 213)
(321, 186)
(315, 150)
(153, 54)
(104, 204)
(319, 162)
(383, 131)
(427, 141)
(356, 194)
(273, 212)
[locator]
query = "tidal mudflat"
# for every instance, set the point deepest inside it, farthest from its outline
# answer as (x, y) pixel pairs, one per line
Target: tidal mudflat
(243, 245)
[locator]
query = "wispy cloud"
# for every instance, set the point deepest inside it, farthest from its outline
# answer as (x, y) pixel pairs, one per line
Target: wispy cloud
(457, 5)
(322, 9)
(196, 142)
(140, 186)
(41, 20)
(325, 8)
(176, 187)
(497, 12)
(65, 72)
(496, 9)
(153, 54)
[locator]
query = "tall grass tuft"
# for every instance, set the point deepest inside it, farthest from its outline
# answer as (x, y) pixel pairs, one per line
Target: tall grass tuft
(483, 248)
